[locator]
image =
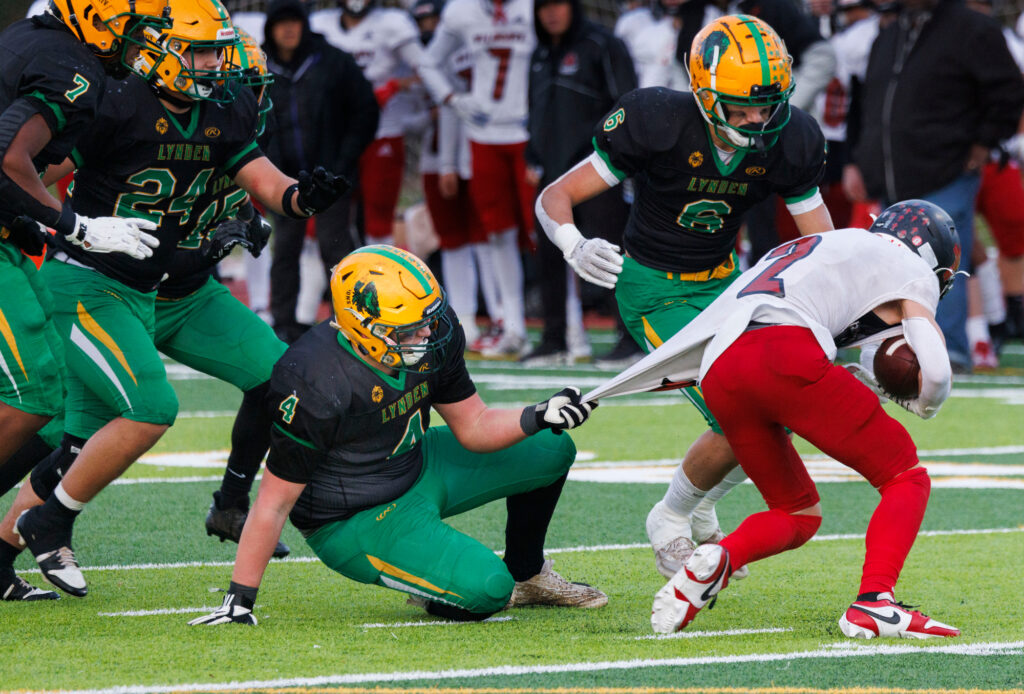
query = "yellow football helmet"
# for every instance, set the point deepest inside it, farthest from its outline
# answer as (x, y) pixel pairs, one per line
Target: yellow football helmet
(169, 56)
(382, 296)
(738, 60)
(103, 25)
(251, 62)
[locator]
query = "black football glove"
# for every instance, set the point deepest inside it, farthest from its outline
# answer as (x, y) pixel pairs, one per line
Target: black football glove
(257, 230)
(319, 190)
(561, 411)
(236, 609)
(224, 237)
(25, 233)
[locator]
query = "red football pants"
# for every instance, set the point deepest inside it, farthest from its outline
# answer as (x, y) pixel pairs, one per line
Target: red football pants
(777, 377)
(454, 219)
(501, 195)
(380, 182)
(1001, 202)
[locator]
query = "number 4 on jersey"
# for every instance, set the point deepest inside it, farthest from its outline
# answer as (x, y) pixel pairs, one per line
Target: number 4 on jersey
(287, 408)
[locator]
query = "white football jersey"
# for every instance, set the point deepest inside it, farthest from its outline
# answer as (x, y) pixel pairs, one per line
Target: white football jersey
(376, 43)
(824, 282)
(852, 46)
(446, 144)
(630, 24)
(500, 44)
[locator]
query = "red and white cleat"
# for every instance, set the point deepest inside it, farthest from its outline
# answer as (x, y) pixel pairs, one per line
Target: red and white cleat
(886, 617)
(703, 575)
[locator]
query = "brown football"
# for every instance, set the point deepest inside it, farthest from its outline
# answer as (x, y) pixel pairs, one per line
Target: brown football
(896, 368)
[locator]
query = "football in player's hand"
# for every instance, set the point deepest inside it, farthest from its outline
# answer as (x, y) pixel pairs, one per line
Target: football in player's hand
(896, 368)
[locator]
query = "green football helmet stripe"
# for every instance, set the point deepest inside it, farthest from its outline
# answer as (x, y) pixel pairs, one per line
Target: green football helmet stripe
(762, 50)
(391, 255)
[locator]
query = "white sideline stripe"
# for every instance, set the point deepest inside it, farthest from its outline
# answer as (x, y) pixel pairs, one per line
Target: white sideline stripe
(445, 623)
(147, 613)
(835, 650)
(711, 634)
(555, 550)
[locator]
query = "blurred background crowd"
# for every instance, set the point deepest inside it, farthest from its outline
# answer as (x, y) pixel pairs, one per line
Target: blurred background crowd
(384, 92)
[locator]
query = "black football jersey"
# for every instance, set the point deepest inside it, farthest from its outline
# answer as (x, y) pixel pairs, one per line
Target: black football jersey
(349, 432)
(43, 63)
(688, 204)
(141, 160)
(219, 203)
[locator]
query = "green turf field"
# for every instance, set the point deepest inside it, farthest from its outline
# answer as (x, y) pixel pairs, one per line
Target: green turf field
(151, 568)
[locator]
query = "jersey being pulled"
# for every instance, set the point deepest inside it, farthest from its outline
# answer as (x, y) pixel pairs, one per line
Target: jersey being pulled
(374, 43)
(349, 432)
(500, 42)
(43, 63)
(688, 205)
(825, 282)
(141, 160)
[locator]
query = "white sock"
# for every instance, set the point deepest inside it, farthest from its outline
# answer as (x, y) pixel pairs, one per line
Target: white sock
(508, 271)
(65, 499)
(977, 330)
(573, 305)
(488, 283)
(991, 292)
(257, 280)
(312, 282)
(682, 496)
(725, 486)
(460, 280)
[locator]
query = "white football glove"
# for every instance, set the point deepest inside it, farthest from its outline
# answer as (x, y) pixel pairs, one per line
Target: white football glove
(596, 261)
(915, 406)
(865, 376)
(469, 109)
(114, 235)
(912, 405)
(561, 411)
(236, 609)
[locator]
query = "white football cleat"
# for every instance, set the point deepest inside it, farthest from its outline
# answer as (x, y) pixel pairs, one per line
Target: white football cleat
(669, 534)
(705, 573)
(715, 539)
(886, 617)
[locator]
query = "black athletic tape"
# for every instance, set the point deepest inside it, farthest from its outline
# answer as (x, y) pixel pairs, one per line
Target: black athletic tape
(286, 202)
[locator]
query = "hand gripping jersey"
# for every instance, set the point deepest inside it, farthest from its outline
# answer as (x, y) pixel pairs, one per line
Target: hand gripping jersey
(500, 39)
(827, 282)
(375, 43)
(350, 432)
(45, 70)
(141, 160)
(689, 203)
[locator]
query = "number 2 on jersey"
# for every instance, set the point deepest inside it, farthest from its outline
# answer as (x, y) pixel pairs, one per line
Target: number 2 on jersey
(768, 281)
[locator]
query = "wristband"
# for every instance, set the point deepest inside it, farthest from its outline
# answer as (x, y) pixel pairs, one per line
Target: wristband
(286, 202)
(65, 224)
(247, 592)
(528, 420)
(566, 237)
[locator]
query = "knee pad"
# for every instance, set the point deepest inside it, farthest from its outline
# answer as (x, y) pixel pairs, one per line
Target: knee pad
(47, 474)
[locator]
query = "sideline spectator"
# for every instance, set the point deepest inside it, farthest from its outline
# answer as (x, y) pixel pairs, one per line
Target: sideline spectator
(324, 110)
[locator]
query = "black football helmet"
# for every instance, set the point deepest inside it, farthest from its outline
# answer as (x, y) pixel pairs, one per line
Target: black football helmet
(928, 230)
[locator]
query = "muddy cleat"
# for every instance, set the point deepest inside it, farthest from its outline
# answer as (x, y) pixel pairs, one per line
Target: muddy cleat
(867, 619)
(549, 588)
(52, 550)
(14, 588)
(669, 534)
(705, 573)
(227, 524)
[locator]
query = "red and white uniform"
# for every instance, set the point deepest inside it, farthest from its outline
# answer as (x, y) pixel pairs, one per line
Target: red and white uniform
(386, 45)
(763, 354)
(852, 46)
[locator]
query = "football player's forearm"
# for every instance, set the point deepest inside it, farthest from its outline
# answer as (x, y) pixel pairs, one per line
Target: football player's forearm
(256, 545)
(492, 430)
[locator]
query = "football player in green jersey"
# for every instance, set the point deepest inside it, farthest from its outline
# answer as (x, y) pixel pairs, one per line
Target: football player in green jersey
(152, 151)
(729, 144)
(52, 73)
(364, 477)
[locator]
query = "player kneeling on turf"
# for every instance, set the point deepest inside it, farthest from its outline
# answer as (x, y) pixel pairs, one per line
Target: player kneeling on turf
(355, 463)
(762, 353)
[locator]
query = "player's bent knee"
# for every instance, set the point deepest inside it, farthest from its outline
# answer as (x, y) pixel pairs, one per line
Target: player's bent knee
(484, 583)
(917, 476)
(806, 526)
(560, 448)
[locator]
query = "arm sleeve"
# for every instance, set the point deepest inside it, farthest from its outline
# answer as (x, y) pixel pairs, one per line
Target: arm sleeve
(433, 61)
(936, 373)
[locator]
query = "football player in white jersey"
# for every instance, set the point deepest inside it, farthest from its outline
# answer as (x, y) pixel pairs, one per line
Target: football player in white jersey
(385, 43)
(500, 39)
(763, 354)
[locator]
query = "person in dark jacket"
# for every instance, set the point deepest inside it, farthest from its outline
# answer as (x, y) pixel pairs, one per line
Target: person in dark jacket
(577, 73)
(941, 91)
(324, 110)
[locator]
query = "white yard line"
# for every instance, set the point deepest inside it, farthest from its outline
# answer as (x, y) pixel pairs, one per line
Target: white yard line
(150, 613)
(831, 651)
(711, 634)
(552, 550)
